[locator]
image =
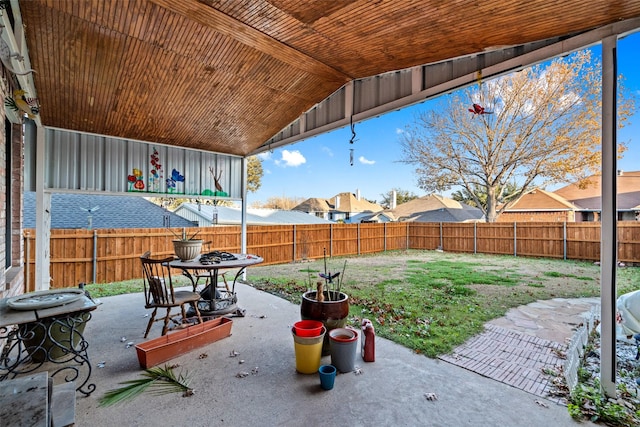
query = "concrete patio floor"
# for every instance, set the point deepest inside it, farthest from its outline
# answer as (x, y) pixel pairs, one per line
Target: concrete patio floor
(390, 391)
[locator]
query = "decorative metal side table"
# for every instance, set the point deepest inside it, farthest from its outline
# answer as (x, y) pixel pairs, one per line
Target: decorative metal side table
(50, 337)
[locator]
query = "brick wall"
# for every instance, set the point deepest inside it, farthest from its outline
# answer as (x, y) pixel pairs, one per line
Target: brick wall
(559, 216)
(12, 278)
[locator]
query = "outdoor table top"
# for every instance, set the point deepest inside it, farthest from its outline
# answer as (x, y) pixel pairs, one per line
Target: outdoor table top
(9, 316)
(242, 260)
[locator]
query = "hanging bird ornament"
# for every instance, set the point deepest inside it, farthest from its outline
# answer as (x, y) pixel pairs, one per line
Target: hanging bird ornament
(21, 104)
(479, 110)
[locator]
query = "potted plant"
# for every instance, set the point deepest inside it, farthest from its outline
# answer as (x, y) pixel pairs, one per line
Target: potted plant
(186, 247)
(327, 303)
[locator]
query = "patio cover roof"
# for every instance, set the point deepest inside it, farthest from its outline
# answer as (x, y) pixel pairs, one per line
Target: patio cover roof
(226, 76)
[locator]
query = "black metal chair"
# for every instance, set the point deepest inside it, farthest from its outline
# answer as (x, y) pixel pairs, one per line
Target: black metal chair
(159, 292)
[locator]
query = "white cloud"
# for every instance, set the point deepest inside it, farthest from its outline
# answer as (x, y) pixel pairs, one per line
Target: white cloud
(328, 151)
(265, 155)
(364, 161)
(291, 158)
(399, 131)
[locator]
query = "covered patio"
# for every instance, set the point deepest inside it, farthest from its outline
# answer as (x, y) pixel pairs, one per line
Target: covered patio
(220, 81)
(393, 390)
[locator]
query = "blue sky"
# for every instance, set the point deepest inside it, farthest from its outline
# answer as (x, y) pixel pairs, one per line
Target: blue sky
(320, 166)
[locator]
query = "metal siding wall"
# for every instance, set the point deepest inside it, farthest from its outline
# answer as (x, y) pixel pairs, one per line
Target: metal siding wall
(192, 175)
(84, 162)
(91, 164)
(115, 169)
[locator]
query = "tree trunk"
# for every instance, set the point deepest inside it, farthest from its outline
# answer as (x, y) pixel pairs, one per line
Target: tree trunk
(491, 215)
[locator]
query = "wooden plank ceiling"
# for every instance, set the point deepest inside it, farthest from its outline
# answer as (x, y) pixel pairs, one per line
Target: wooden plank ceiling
(227, 75)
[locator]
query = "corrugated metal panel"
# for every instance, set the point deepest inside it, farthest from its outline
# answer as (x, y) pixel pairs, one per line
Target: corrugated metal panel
(94, 163)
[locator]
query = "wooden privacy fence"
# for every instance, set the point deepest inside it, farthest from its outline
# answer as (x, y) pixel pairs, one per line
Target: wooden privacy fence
(109, 255)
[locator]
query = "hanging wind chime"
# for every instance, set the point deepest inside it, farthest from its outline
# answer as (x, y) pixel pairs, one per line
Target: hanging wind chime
(478, 109)
(352, 140)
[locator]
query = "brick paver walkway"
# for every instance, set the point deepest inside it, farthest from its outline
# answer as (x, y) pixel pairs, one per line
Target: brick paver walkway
(512, 357)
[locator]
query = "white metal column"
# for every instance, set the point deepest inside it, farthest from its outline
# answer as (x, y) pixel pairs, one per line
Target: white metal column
(43, 218)
(608, 235)
(243, 233)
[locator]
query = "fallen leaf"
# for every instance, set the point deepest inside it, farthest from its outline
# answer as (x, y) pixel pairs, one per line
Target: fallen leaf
(541, 403)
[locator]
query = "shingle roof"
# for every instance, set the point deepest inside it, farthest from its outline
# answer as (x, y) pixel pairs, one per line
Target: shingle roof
(70, 211)
(348, 202)
(589, 197)
(425, 203)
(446, 215)
(314, 204)
(538, 199)
(233, 215)
(435, 208)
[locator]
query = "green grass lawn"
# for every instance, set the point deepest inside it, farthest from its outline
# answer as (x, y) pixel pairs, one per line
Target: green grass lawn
(433, 302)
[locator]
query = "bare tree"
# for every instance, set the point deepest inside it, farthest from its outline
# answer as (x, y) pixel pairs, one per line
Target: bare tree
(402, 196)
(534, 127)
(285, 203)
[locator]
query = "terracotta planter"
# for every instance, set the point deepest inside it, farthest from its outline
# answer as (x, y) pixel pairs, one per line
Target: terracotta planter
(52, 339)
(187, 250)
(174, 344)
(333, 314)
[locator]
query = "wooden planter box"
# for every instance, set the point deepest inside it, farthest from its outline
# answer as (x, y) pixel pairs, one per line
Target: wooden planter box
(158, 350)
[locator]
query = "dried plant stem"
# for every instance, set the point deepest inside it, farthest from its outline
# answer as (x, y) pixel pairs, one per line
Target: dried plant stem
(319, 292)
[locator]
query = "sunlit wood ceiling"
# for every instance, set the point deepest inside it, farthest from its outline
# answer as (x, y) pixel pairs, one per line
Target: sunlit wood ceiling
(225, 76)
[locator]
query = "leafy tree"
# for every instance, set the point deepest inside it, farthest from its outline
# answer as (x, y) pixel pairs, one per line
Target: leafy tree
(254, 174)
(402, 196)
(534, 127)
(480, 195)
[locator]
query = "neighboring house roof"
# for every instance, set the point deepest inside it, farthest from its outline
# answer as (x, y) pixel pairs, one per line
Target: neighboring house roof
(589, 197)
(446, 215)
(435, 208)
(313, 204)
(381, 216)
(348, 202)
(229, 215)
(71, 211)
(342, 202)
(541, 200)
